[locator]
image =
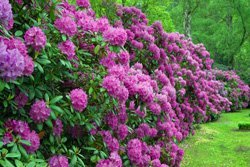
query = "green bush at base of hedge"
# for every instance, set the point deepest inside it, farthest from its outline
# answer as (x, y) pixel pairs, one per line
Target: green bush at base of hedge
(244, 126)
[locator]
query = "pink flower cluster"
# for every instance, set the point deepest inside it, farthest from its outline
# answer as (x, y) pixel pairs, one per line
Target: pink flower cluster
(111, 142)
(39, 111)
(113, 160)
(158, 85)
(79, 99)
(6, 15)
(66, 25)
(58, 161)
(57, 127)
(178, 85)
(140, 154)
(36, 38)
(115, 36)
(21, 99)
(234, 89)
(67, 48)
(83, 3)
(157, 76)
(14, 59)
(16, 127)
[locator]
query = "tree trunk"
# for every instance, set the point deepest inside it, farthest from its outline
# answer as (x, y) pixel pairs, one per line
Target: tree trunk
(123, 2)
(187, 18)
(229, 22)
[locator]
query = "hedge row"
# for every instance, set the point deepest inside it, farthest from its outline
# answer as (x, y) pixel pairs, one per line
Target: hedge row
(78, 90)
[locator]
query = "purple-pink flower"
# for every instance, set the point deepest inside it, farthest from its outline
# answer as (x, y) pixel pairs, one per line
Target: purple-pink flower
(67, 48)
(103, 24)
(115, 36)
(79, 99)
(58, 161)
(29, 66)
(21, 99)
(34, 140)
(39, 111)
(57, 127)
(83, 3)
(11, 62)
(36, 38)
(66, 25)
(115, 88)
(122, 131)
(114, 160)
(6, 15)
(21, 128)
(134, 151)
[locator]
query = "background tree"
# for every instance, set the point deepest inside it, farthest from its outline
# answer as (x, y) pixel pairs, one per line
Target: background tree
(221, 26)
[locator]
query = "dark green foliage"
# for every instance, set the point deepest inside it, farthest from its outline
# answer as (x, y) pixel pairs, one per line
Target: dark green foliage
(223, 26)
(214, 117)
(105, 8)
(244, 126)
(156, 10)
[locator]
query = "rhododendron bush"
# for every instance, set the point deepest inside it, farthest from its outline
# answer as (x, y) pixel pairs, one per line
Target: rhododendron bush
(234, 90)
(76, 90)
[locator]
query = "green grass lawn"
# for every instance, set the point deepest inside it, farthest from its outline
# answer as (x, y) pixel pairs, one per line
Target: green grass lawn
(219, 144)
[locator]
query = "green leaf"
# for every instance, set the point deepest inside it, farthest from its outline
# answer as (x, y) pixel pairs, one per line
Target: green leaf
(23, 151)
(53, 116)
(43, 61)
(46, 97)
(5, 104)
(63, 62)
(19, 163)
(73, 161)
(40, 68)
(56, 99)
(13, 155)
(64, 139)
(79, 159)
(14, 149)
(48, 44)
(102, 90)
(90, 148)
(126, 163)
(64, 38)
(18, 33)
(40, 127)
(94, 159)
(39, 160)
(2, 163)
(97, 48)
(51, 139)
(26, 142)
(2, 85)
(49, 123)
(91, 90)
(8, 163)
(103, 154)
(56, 108)
(10, 144)
(1, 144)
(31, 164)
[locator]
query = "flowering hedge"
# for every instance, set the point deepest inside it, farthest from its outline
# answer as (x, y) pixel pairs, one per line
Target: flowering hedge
(76, 90)
(234, 90)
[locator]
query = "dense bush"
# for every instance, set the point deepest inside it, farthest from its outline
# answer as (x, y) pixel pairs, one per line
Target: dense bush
(244, 126)
(78, 91)
(235, 89)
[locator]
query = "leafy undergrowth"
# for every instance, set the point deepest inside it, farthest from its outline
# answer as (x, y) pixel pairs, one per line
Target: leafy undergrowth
(219, 144)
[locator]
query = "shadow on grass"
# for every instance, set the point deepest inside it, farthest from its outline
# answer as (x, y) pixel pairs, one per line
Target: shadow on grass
(242, 149)
(240, 130)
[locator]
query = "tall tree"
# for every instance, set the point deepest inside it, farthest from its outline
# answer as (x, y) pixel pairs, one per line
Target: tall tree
(156, 10)
(221, 25)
